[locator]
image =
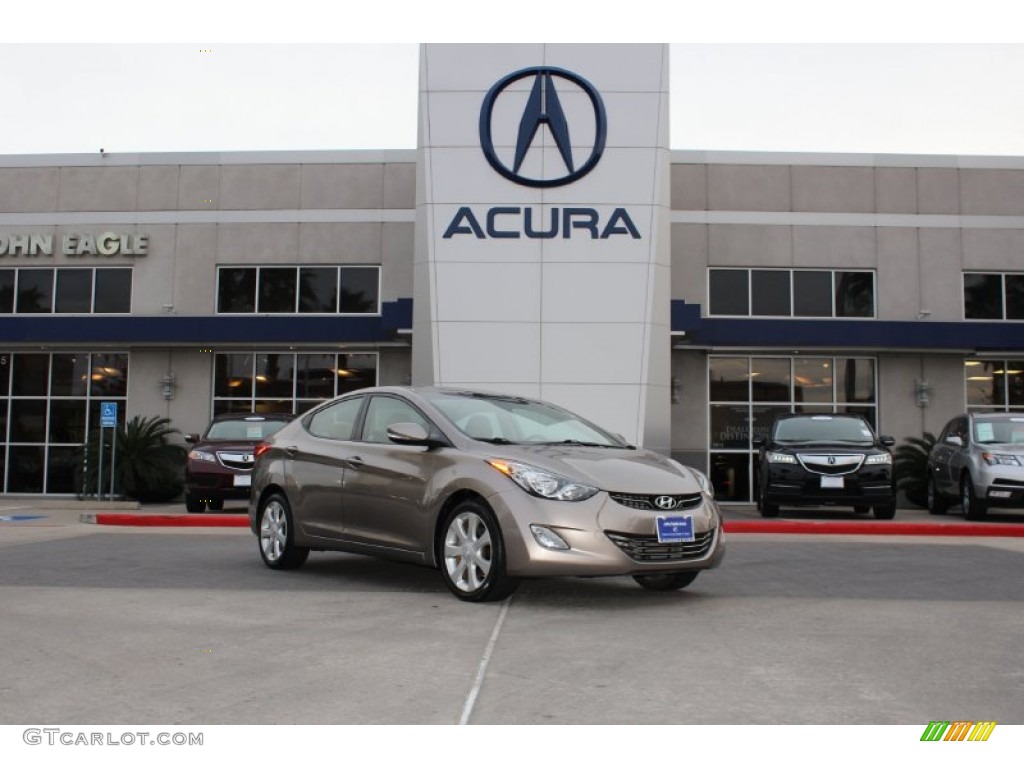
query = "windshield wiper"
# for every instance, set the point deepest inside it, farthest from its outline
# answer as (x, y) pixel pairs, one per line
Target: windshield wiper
(582, 443)
(495, 440)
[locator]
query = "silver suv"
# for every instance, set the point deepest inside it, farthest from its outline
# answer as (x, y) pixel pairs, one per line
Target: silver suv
(978, 459)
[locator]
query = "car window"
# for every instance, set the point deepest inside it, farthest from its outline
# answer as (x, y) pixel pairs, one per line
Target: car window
(244, 429)
(993, 431)
(385, 411)
(823, 428)
(336, 421)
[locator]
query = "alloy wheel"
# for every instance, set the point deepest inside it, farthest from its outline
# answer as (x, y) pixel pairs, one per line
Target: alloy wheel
(273, 531)
(468, 552)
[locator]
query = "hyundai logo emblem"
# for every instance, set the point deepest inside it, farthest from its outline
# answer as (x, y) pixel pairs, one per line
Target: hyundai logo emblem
(544, 107)
(665, 502)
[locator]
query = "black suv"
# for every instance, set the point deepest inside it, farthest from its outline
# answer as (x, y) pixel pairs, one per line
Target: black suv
(819, 460)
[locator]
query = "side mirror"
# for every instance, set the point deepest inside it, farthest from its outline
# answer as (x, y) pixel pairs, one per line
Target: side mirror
(192, 437)
(887, 440)
(407, 433)
(759, 442)
(955, 440)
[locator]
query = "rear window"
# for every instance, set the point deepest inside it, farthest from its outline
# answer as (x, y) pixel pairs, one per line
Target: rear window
(244, 429)
(823, 428)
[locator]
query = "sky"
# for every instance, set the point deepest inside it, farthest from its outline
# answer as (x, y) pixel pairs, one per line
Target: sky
(235, 91)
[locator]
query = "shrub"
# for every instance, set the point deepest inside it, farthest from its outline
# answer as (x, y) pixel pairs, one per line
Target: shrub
(910, 468)
(150, 468)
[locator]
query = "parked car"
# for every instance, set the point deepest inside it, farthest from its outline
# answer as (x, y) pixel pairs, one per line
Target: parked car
(825, 460)
(978, 460)
(220, 462)
(487, 488)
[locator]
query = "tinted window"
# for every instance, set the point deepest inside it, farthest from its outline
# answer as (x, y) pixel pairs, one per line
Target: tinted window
(244, 429)
(113, 291)
(35, 290)
(359, 289)
(318, 289)
(74, 290)
(237, 290)
(336, 421)
(277, 289)
(6, 290)
(855, 294)
(728, 292)
(812, 293)
(770, 292)
(1014, 297)
(983, 297)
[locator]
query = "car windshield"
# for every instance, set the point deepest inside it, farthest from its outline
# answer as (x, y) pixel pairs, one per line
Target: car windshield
(244, 429)
(505, 419)
(1001, 430)
(822, 429)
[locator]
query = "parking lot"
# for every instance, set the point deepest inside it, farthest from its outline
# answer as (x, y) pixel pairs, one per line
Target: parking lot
(129, 625)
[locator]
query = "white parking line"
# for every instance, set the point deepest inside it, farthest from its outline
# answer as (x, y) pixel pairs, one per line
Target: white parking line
(467, 710)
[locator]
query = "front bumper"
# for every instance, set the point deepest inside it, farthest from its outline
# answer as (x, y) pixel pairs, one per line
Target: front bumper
(1002, 485)
(218, 483)
(794, 486)
(605, 538)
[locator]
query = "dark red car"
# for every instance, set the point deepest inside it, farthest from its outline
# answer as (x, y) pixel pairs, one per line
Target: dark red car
(220, 462)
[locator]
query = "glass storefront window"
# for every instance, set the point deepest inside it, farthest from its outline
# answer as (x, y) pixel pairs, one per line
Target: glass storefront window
(812, 293)
(35, 291)
(984, 386)
(6, 291)
(66, 290)
(46, 414)
(74, 291)
(113, 291)
(287, 382)
(318, 289)
(289, 290)
(983, 296)
(729, 292)
(236, 289)
(769, 292)
(855, 294)
(277, 287)
(728, 379)
(812, 380)
(790, 293)
(1014, 285)
(747, 393)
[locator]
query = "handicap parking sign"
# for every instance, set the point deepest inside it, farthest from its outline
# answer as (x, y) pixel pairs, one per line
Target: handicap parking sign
(108, 415)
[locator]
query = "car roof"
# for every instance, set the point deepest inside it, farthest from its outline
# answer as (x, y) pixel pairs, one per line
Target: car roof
(784, 416)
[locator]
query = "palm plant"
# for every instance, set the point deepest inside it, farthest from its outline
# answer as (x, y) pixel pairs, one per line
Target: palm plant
(149, 466)
(910, 467)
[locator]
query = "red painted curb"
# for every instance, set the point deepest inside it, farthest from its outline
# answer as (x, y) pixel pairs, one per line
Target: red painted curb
(180, 521)
(872, 528)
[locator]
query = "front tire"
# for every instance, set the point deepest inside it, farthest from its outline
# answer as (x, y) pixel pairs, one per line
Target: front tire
(215, 505)
(974, 508)
(885, 512)
(277, 535)
(194, 505)
(936, 504)
(471, 553)
(665, 582)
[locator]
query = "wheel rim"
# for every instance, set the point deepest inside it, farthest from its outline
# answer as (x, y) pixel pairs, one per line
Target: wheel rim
(273, 531)
(468, 552)
(966, 497)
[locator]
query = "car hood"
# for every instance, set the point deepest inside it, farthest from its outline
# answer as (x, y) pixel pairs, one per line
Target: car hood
(610, 469)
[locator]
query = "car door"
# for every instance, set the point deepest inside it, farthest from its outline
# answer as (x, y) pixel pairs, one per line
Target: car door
(958, 454)
(387, 486)
(942, 456)
(318, 459)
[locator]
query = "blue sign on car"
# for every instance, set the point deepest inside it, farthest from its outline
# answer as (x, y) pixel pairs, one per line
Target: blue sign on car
(672, 530)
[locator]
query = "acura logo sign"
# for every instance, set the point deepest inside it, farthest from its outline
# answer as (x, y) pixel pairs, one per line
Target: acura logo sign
(665, 502)
(544, 108)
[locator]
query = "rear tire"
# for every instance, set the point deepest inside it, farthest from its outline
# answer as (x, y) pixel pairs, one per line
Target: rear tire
(471, 554)
(936, 504)
(666, 582)
(277, 535)
(974, 508)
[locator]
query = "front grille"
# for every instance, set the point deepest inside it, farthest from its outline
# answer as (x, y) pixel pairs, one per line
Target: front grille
(643, 501)
(241, 461)
(831, 463)
(646, 549)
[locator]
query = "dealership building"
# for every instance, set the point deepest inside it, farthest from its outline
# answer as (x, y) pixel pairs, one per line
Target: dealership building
(543, 239)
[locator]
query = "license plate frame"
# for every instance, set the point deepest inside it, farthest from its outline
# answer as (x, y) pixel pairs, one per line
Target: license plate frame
(829, 482)
(675, 529)
(243, 481)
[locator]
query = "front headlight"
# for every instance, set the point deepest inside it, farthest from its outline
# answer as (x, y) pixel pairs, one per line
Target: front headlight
(879, 458)
(1007, 459)
(540, 482)
(781, 458)
(201, 456)
(705, 483)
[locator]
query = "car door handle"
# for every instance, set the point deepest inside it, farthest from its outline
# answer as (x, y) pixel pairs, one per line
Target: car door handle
(355, 461)
(291, 450)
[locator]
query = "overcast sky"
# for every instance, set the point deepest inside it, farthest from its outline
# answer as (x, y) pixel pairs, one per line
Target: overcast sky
(963, 99)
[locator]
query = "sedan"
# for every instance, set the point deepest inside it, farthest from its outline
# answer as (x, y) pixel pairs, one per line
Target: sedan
(978, 460)
(487, 488)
